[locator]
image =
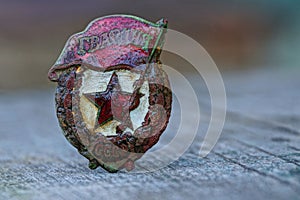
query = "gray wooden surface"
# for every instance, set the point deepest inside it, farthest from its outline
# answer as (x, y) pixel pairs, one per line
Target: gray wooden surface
(257, 156)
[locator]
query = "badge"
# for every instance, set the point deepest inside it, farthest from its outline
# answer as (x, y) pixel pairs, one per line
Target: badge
(113, 99)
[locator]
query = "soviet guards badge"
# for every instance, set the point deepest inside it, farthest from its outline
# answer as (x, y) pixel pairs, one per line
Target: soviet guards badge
(113, 100)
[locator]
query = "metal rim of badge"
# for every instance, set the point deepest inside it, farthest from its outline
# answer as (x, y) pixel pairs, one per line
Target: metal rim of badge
(127, 48)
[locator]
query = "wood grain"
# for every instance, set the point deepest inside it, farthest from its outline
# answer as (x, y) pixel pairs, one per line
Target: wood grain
(257, 156)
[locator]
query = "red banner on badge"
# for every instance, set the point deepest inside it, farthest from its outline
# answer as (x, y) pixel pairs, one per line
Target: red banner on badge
(112, 41)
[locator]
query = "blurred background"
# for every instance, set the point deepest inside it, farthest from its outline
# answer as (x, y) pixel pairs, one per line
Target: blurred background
(239, 35)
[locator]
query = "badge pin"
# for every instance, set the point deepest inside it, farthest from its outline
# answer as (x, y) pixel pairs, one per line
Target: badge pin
(113, 99)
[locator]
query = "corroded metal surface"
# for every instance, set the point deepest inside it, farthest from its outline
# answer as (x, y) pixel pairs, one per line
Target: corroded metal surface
(113, 99)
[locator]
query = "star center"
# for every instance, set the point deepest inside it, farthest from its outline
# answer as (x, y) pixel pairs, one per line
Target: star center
(113, 103)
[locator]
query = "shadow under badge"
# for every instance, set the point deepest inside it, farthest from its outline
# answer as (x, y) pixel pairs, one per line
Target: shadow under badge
(113, 99)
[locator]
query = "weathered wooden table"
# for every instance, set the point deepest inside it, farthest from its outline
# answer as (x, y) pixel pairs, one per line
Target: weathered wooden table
(257, 156)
